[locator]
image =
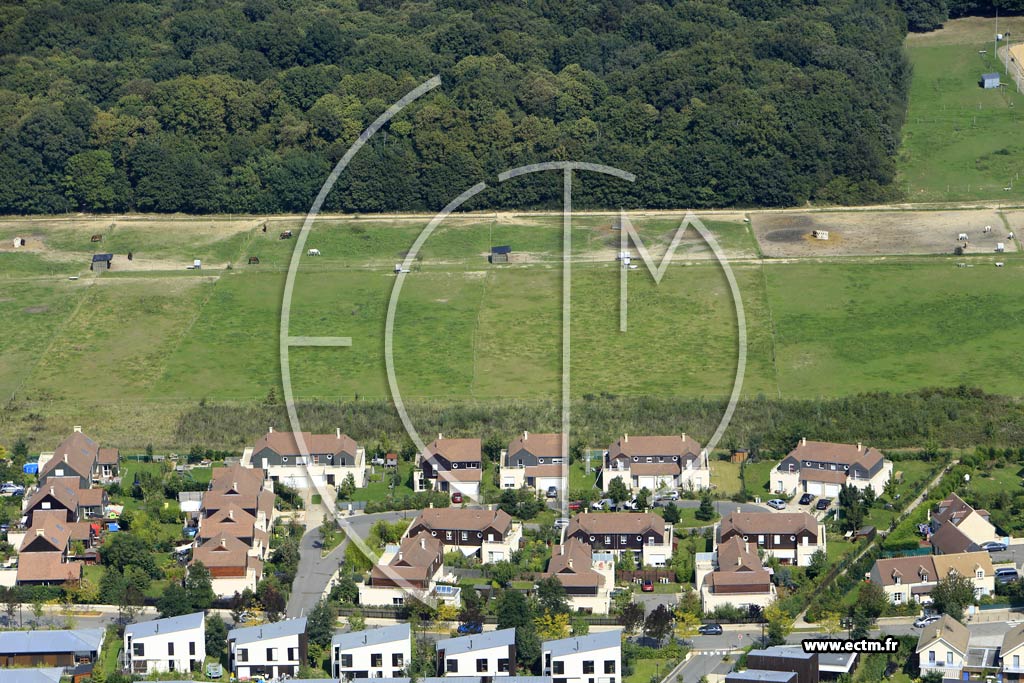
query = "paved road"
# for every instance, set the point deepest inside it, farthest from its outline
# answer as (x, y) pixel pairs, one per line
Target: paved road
(315, 571)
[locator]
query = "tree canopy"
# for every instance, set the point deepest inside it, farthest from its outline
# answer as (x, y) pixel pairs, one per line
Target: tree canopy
(245, 105)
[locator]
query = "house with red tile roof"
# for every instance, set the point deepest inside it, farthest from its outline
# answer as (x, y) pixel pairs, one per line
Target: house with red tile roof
(821, 468)
(656, 463)
(536, 461)
(450, 465)
(305, 460)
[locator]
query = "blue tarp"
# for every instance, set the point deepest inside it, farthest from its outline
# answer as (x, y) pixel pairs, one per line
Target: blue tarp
(113, 526)
(31, 468)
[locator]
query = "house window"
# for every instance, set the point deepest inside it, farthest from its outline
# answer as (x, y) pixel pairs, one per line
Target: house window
(170, 649)
(931, 656)
(45, 505)
(558, 667)
(139, 649)
(980, 574)
(650, 459)
(397, 659)
(398, 601)
(609, 666)
(832, 467)
(778, 539)
(503, 665)
(791, 468)
(170, 665)
(607, 540)
(243, 655)
(346, 661)
(452, 666)
(192, 648)
(481, 665)
(316, 459)
(897, 598)
(949, 659)
(650, 540)
(1016, 661)
(271, 654)
(293, 654)
(448, 535)
(760, 539)
(377, 659)
(623, 540)
(588, 666)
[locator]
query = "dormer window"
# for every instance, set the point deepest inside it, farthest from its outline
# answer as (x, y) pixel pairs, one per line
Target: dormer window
(650, 459)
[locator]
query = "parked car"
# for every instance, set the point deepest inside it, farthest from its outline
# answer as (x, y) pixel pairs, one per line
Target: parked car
(806, 499)
(710, 629)
(823, 504)
(647, 586)
(10, 488)
(993, 546)
(628, 504)
(921, 622)
(470, 628)
(552, 492)
(1007, 575)
(575, 505)
(667, 495)
(214, 670)
(457, 497)
(377, 461)
(777, 503)
(561, 523)
(601, 504)
(618, 591)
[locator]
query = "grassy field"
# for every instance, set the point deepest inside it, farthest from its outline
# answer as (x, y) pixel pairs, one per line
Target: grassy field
(132, 346)
(960, 141)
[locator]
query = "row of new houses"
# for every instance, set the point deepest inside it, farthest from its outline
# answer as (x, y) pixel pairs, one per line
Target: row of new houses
(278, 649)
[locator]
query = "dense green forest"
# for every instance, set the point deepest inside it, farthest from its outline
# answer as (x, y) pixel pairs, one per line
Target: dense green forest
(244, 105)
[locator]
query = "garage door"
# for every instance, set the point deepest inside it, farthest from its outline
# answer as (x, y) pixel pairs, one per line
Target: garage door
(814, 488)
(831, 490)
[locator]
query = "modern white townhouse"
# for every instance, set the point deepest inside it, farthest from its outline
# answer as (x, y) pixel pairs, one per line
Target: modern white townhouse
(166, 645)
(373, 653)
(486, 654)
(593, 658)
(269, 650)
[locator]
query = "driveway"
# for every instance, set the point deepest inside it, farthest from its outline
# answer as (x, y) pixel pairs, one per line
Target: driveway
(315, 573)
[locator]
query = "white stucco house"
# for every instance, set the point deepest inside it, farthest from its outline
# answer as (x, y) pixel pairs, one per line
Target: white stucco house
(165, 645)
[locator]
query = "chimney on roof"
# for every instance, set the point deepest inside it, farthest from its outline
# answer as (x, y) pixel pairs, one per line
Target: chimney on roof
(423, 543)
(431, 504)
(399, 555)
(39, 532)
(684, 436)
(859, 446)
(51, 490)
(440, 436)
(78, 428)
(223, 543)
(65, 457)
(625, 438)
(526, 435)
(337, 432)
(271, 431)
(231, 514)
(234, 486)
(570, 563)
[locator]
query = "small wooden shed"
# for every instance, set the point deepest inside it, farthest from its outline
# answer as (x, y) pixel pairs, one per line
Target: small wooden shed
(500, 254)
(102, 260)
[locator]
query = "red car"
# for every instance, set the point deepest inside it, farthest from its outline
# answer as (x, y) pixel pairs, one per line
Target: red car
(647, 586)
(457, 497)
(575, 505)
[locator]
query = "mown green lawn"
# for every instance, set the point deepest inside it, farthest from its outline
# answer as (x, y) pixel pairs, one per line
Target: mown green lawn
(960, 141)
(645, 669)
(380, 489)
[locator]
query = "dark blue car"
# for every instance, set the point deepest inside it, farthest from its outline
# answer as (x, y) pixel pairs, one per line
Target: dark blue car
(471, 628)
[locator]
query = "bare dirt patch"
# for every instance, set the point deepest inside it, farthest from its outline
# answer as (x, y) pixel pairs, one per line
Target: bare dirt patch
(968, 30)
(876, 233)
(35, 309)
